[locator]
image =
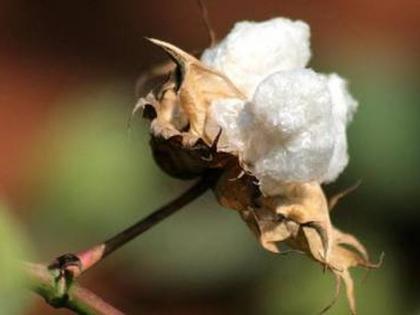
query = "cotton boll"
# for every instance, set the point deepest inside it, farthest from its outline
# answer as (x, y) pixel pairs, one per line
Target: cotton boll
(292, 136)
(294, 127)
(253, 50)
(301, 117)
(286, 134)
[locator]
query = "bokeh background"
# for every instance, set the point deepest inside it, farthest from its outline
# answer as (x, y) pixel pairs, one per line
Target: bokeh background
(71, 175)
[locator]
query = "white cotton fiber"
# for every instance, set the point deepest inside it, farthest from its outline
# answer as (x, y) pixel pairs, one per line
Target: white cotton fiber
(293, 126)
(293, 110)
(253, 50)
(344, 104)
(225, 114)
(289, 101)
(344, 107)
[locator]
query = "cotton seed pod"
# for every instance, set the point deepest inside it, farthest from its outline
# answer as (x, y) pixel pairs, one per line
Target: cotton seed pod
(197, 118)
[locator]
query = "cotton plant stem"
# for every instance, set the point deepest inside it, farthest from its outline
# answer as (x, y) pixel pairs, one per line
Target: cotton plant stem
(92, 256)
(207, 23)
(78, 299)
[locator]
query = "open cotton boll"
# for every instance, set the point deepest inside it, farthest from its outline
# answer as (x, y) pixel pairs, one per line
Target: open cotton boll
(293, 130)
(253, 50)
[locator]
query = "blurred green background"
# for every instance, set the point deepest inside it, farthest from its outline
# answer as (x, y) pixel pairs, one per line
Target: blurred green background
(71, 175)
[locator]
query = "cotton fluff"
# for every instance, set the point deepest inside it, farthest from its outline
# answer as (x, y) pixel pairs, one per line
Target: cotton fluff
(293, 109)
(252, 51)
(292, 128)
(344, 107)
(227, 115)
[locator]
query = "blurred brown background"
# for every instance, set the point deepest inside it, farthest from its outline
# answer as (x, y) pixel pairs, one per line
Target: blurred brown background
(71, 176)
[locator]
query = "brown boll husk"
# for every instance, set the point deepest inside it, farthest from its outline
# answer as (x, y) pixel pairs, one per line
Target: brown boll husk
(297, 216)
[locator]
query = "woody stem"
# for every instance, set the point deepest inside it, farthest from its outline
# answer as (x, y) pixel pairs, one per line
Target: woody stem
(90, 257)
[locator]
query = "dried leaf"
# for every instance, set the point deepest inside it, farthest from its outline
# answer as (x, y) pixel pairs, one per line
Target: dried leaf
(299, 218)
(336, 295)
(341, 258)
(332, 202)
(304, 204)
(177, 109)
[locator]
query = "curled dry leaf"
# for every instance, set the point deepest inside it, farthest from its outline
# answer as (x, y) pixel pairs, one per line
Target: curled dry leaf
(177, 109)
(296, 216)
(289, 219)
(276, 218)
(192, 86)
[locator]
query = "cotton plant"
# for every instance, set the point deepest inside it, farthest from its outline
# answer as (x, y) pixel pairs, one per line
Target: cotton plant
(272, 129)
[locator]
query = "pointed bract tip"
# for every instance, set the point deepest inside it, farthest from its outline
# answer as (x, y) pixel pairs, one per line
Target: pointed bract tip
(178, 54)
